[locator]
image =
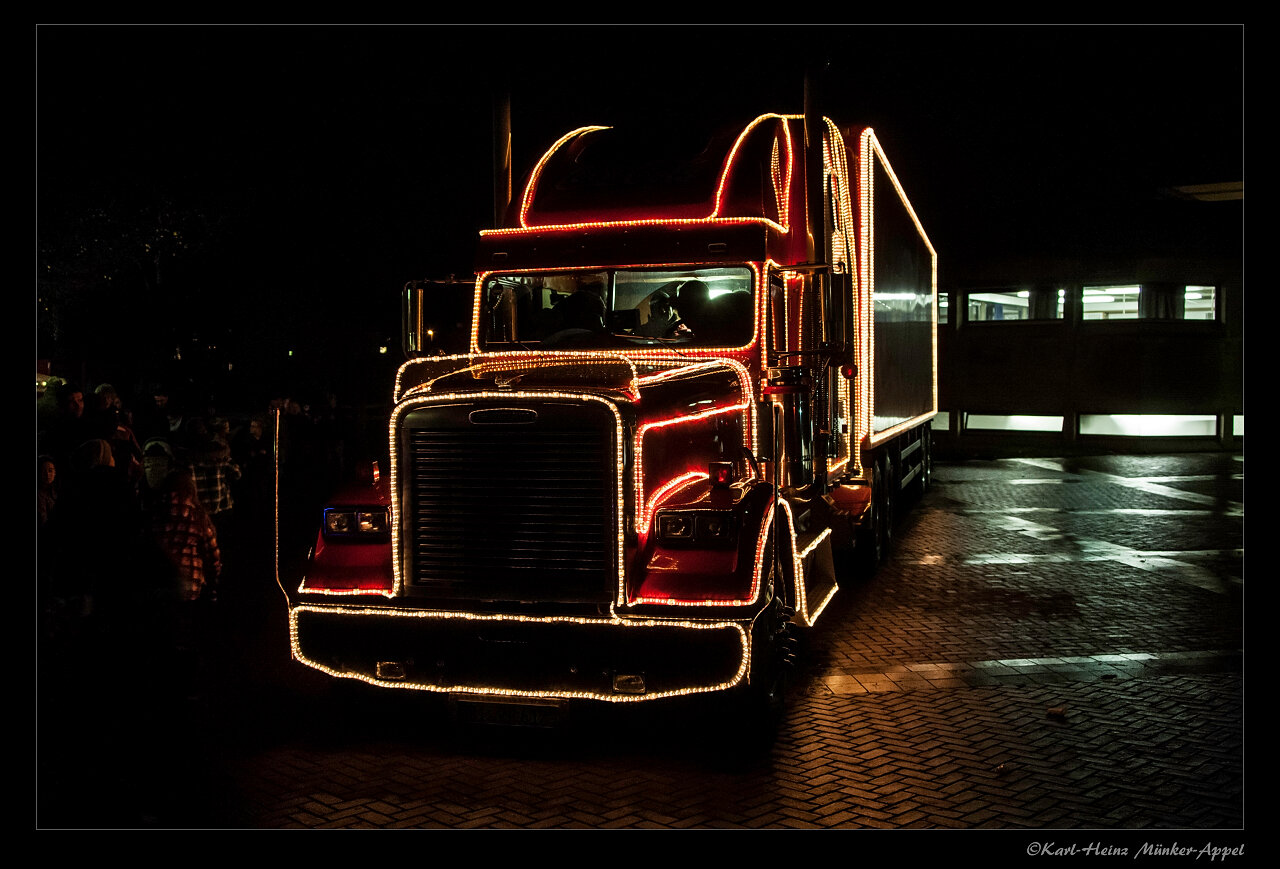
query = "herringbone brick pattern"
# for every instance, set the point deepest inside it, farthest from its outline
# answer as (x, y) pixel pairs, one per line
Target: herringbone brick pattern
(1162, 752)
(1044, 650)
(1051, 646)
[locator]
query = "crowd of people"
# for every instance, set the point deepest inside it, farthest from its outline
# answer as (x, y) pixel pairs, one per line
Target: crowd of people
(142, 512)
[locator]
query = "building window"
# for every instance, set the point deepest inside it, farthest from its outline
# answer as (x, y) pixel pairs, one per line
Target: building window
(1011, 422)
(1110, 303)
(1148, 425)
(1148, 302)
(1037, 303)
(1198, 303)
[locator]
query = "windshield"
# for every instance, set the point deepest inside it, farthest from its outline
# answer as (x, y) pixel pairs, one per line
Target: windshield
(615, 309)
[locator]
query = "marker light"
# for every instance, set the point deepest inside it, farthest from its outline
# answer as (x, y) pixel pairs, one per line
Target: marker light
(369, 472)
(721, 473)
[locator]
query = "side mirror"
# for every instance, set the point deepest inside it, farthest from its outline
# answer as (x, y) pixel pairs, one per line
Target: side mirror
(428, 312)
(412, 332)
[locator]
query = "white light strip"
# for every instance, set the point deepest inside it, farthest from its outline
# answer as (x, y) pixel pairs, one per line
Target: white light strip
(504, 395)
(871, 152)
(444, 615)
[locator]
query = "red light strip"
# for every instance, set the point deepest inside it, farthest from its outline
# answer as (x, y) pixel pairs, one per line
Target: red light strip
(651, 221)
(753, 593)
(339, 592)
(527, 199)
(642, 516)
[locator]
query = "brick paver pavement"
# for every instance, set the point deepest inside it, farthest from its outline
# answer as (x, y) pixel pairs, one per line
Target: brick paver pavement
(1052, 645)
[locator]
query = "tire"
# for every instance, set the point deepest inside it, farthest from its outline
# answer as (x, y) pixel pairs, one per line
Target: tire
(889, 500)
(870, 548)
(749, 721)
(883, 504)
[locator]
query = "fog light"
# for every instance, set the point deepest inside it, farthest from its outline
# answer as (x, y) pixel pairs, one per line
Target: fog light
(391, 670)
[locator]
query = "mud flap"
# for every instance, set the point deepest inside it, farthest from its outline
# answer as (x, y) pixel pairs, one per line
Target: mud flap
(817, 567)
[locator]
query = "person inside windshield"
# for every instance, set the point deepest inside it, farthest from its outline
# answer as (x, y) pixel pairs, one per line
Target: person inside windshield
(578, 316)
(722, 321)
(662, 320)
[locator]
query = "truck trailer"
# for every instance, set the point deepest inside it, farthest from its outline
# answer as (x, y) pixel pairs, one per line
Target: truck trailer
(698, 377)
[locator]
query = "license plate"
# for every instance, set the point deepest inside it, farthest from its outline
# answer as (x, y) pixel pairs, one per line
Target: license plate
(509, 712)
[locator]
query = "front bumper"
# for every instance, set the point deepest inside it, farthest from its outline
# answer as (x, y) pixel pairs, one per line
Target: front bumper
(606, 659)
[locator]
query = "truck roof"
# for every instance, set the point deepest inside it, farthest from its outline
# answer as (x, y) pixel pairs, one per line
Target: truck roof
(604, 175)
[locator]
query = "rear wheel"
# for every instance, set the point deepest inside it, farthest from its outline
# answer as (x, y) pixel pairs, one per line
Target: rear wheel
(925, 476)
(868, 549)
(889, 496)
(876, 534)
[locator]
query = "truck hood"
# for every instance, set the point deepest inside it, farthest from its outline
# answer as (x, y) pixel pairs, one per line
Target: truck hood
(617, 375)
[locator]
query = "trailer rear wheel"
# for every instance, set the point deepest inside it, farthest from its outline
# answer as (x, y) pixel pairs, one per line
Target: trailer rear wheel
(926, 467)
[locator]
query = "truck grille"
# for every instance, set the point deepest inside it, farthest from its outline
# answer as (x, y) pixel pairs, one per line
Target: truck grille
(512, 512)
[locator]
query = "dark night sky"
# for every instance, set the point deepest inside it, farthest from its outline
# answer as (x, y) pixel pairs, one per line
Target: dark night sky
(342, 161)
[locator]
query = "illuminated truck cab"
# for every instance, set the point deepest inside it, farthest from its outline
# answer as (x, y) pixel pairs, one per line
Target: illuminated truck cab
(632, 487)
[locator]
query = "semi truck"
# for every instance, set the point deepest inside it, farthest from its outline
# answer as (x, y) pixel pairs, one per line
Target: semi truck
(698, 378)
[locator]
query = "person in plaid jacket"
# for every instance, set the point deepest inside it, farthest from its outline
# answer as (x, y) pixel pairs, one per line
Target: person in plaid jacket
(184, 533)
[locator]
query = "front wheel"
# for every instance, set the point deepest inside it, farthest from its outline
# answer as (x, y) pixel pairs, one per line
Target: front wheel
(774, 661)
(749, 717)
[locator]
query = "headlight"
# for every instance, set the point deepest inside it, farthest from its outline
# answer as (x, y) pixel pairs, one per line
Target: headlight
(359, 521)
(675, 526)
(701, 527)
